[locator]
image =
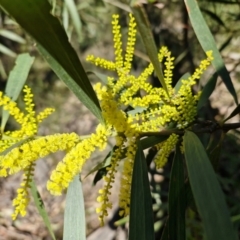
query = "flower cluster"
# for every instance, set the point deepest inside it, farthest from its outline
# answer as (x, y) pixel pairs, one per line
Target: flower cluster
(153, 109)
(130, 105)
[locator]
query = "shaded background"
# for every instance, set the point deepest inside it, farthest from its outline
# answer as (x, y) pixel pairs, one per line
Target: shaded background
(90, 33)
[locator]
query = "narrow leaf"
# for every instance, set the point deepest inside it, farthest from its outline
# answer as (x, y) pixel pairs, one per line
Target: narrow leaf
(16, 81)
(165, 235)
(40, 206)
(226, 43)
(141, 214)
(179, 82)
(102, 167)
(153, 140)
(206, 190)
(72, 8)
(7, 51)
(208, 43)
(100, 76)
(74, 215)
(12, 36)
(35, 17)
(234, 113)
(176, 199)
(70, 82)
(214, 16)
(207, 91)
(146, 34)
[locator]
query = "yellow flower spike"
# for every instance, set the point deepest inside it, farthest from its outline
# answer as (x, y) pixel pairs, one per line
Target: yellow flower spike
(44, 114)
(165, 149)
(104, 193)
(152, 109)
(22, 200)
(168, 74)
(74, 160)
(130, 44)
(117, 43)
(21, 157)
(101, 62)
(30, 121)
(12, 108)
(202, 67)
(126, 180)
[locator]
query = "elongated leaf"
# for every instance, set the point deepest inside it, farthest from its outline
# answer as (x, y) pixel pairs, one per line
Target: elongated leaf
(176, 199)
(214, 16)
(68, 80)
(100, 76)
(72, 8)
(141, 214)
(146, 34)
(165, 235)
(40, 206)
(207, 91)
(234, 113)
(35, 18)
(208, 43)
(16, 81)
(12, 36)
(102, 167)
(7, 51)
(206, 191)
(74, 215)
(179, 82)
(152, 140)
(226, 43)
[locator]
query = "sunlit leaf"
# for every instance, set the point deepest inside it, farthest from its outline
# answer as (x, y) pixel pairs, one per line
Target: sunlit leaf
(100, 76)
(41, 209)
(74, 214)
(16, 81)
(72, 8)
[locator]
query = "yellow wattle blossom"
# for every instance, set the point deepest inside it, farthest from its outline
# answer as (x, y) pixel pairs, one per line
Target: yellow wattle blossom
(165, 149)
(156, 109)
(74, 160)
(21, 148)
(21, 201)
(131, 108)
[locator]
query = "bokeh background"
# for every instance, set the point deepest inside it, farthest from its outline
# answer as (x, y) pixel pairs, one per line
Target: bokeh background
(90, 33)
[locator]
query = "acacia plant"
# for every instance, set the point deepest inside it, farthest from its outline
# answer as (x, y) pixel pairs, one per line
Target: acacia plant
(132, 112)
